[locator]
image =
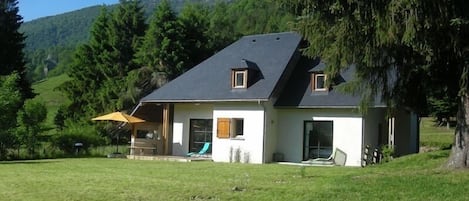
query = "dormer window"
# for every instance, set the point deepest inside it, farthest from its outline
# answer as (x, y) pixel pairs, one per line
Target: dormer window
(244, 74)
(239, 78)
(318, 78)
(318, 81)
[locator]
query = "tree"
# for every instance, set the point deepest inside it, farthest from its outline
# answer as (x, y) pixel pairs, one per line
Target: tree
(195, 22)
(162, 47)
(222, 29)
(12, 44)
(161, 56)
(442, 108)
(30, 119)
(10, 99)
(101, 65)
(395, 41)
(88, 72)
(126, 29)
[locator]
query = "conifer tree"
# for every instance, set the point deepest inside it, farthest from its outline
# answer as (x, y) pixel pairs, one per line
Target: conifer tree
(126, 29)
(195, 22)
(12, 44)
(87, 73)
(101, 66)
(162, 47)
(419, 44)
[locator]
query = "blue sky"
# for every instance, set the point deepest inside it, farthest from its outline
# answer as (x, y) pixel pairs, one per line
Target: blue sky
(33, 9)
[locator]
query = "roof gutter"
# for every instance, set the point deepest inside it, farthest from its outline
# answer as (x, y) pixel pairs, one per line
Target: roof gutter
(327, 107)
(136, 108)
(204, 101)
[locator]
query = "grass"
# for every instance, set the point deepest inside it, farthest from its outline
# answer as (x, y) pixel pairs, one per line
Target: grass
(416, 177)
(46, 93)
(431, 136)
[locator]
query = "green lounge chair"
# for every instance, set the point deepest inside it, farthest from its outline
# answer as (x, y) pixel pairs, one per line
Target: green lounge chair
(202, 151)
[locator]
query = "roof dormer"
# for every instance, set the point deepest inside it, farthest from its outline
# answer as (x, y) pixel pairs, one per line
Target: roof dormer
(318, 78)
(244, 75)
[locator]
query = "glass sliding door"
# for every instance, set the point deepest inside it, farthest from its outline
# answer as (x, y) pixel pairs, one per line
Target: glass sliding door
(200, 133)
(318, 136)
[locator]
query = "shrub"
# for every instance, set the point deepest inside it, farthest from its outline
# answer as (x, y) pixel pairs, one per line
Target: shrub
(387, 153)
(85, 134)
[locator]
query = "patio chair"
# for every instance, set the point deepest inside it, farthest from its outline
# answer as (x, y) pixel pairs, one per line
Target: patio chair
(202, 151)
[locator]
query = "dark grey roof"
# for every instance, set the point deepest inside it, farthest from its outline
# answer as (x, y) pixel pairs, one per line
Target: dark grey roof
(298, 92)
(211, 79)
(318, 68)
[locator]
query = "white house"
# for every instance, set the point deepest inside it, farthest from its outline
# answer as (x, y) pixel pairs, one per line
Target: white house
(259, 101)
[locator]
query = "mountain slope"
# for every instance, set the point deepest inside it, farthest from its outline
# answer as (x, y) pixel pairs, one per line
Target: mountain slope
(68, 29)
(72, 28)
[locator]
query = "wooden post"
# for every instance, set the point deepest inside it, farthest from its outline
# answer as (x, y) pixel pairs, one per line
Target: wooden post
(166, 128)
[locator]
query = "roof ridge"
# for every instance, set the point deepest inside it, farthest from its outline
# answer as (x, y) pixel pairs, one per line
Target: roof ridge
(270, 34)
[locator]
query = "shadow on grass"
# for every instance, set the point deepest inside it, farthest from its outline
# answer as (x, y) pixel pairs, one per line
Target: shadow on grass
(438, 154)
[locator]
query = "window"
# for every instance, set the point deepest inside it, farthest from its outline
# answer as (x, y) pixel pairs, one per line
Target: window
(237, 127)
(318, 139)
(230, 127)
(200, 133)
(318, 82)
(239, 78)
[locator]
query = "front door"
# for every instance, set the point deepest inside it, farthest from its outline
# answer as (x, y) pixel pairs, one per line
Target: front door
(200, 133)
(318, 137)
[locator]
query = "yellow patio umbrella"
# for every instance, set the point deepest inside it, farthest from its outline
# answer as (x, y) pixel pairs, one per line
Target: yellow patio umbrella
(120, 117)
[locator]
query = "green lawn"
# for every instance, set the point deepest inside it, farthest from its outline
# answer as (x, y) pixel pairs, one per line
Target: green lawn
(431, 136)
(46, 93)
(416, 177)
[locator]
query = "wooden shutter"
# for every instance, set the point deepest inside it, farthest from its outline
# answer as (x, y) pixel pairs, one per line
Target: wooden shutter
(223, 128)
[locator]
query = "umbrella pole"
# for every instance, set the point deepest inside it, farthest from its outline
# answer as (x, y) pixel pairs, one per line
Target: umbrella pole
(117, 145)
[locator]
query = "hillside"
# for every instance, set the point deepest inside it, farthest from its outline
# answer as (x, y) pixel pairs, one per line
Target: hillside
(46, 93)
(50, 41)
(68, 29)
(72, 28)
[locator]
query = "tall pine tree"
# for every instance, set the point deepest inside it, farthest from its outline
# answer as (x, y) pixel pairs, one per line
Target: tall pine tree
(12, 44)
(126, 29)
(162, 47)
(102, 65)
(414, 39)
(87, 73)
(195, 22)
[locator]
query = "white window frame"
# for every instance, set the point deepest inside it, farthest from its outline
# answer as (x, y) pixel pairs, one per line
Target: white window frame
(315, 82)
(234, 128)
(244, 74)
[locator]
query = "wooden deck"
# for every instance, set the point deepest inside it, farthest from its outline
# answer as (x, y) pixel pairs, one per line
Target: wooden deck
(170, 158)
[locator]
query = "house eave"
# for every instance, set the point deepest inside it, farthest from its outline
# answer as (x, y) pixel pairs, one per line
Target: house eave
(204, 101)
(327, 107)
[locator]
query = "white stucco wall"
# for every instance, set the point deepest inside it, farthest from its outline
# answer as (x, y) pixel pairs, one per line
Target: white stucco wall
(347, 132)
(250, 146)
(270, 143)
(183, 112)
